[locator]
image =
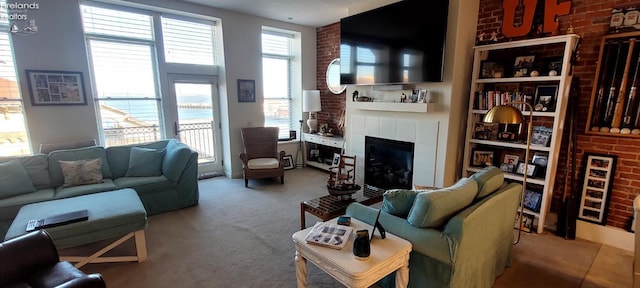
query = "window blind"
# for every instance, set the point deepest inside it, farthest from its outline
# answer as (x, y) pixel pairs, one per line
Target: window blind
(187, 42)
(110, 22)
(277, 54)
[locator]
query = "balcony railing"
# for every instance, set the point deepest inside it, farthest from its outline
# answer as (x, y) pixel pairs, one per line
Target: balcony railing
(198, 136)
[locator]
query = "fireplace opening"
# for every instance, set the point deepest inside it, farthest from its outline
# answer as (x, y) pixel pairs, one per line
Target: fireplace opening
(388, 164)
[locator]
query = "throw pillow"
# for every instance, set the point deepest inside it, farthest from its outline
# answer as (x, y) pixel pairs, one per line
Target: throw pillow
(145, 162)
(14, 180)
(489, 180)
(398, 202)
(434, 208)
(81, 172)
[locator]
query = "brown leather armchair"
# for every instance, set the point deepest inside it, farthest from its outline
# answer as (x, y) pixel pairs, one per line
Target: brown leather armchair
(31, 260)
(261, 158)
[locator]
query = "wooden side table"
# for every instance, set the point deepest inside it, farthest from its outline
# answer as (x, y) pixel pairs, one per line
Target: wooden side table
(328, 206)
(387, 255)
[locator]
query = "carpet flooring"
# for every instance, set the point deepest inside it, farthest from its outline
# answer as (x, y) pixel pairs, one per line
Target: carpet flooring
(241, 237)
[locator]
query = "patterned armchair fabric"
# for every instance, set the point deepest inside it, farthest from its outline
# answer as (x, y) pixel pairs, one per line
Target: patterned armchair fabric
(261, 158)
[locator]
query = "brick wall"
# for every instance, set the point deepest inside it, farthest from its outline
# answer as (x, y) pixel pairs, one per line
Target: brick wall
(590, 19)
(333, 106)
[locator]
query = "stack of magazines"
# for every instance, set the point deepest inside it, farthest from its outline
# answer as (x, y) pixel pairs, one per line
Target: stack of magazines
(329, 235)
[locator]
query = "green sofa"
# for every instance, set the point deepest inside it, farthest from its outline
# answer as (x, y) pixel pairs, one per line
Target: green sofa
(163, 173)
(461, 235)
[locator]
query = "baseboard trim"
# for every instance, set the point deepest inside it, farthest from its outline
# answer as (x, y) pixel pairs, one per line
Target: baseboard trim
(608, 235)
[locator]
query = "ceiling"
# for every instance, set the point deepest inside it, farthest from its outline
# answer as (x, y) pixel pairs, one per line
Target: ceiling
(314, 13)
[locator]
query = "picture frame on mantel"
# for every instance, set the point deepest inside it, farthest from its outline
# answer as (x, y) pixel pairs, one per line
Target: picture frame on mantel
(56, 88)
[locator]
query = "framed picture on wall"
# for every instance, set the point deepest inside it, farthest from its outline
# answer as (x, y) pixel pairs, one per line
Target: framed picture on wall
(246, 90)
(56, 87)
(598, 171)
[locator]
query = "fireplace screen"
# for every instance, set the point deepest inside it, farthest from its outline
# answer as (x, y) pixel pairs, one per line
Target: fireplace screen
(388, 163)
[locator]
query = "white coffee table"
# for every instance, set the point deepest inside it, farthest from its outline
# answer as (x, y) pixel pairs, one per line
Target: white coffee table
(387, 255)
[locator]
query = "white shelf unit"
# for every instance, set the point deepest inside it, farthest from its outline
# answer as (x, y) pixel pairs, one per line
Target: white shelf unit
(564, 44)
(326, 145)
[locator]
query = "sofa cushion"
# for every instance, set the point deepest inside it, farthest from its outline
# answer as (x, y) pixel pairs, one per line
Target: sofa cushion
(398, 202)
(489, 179)
(14, 180)
(118, 156)
(434, 208)
(145, 162)
(76, 154)
(66, 192)
(37, 167)
(81, 172)
(263, 163)
(9, 207)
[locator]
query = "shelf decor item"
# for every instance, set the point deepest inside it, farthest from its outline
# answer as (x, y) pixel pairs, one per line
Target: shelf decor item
(596, 189)
(545, 98)
(288, 162)
(507, 114)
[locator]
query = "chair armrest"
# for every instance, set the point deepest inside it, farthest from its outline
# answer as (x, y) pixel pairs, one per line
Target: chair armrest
(281, 158)
(89, 281)
(26, 253)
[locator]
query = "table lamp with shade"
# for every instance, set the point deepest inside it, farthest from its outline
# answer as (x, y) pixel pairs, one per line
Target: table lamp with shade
(508, 114)
(311, 104)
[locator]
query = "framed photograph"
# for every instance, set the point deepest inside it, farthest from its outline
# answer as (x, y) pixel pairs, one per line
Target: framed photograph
(522, 65)
(553, 66)
(246, 90)
(511, 159)
(482, 158)
(56, 87)
(336, 159)
(531, 169)
(506, 167)
(526, 222)
(540, 159)
(486, 131)
(490, 69)
(598, 171)
(541, 136)
(545, 98)
(532, 200)
(288, 162)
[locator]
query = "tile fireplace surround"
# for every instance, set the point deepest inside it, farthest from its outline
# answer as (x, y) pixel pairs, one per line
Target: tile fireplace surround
(400, 126)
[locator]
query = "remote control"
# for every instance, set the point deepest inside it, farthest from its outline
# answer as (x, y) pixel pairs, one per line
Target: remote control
(32, 224)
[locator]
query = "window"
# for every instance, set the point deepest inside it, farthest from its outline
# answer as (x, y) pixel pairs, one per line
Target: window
(279, 71)
(123, 52)
(13, 131)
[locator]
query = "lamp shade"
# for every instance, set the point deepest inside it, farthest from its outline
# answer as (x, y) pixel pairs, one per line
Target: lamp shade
(311, 101)
(504, 114)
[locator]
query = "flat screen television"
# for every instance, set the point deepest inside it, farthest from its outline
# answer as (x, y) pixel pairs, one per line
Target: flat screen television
(403, 42)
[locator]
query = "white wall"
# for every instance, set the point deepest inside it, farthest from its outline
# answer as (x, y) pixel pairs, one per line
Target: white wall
(59, 45)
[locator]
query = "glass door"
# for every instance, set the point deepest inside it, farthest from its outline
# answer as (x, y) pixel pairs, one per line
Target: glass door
(197, 118)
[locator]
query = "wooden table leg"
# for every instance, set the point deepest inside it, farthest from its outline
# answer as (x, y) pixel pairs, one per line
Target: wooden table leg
(301, 270)
(402, 277)
(302, 220)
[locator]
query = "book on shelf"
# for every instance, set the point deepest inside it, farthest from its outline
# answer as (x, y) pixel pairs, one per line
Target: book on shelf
(486, 100)
(328, 235)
